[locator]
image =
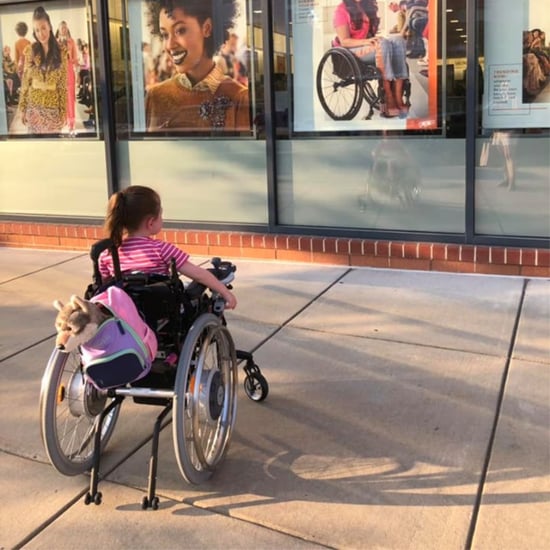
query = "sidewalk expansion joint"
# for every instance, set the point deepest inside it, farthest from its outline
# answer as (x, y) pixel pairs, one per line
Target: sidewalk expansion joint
(300, 311)
(41, 269)
(500, 400)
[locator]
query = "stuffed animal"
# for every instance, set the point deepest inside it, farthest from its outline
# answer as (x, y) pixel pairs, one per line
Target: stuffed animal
(77, 322)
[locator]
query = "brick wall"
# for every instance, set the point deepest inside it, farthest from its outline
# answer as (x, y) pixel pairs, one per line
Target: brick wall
(529, 262)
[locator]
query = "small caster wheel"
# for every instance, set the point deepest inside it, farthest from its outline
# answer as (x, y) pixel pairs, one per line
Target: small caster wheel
(256, 387)
(87, 499)
(97, 499)
(155, 503)
(145, 503)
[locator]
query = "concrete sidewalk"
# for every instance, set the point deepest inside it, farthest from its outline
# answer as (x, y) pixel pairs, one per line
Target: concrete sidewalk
(406, 410)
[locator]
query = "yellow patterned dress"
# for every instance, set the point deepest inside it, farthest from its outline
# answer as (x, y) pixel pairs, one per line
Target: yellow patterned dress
(43, 98)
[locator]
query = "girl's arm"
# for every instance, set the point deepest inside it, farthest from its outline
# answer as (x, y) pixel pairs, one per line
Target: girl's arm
(342, 31)
(207, 279)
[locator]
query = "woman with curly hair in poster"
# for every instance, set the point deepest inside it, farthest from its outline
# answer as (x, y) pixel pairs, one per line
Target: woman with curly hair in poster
(43, 99)
(356, 23)
(199, 97)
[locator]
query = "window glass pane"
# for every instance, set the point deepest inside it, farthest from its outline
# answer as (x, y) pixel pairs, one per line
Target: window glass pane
(206, 181)
(350, 162)
(513, 173)
(47, 177)
(394, 184)
(48, 70)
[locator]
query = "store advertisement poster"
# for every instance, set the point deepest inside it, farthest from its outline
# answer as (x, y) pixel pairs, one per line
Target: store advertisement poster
(318, 94)
(517, 64)
(49, 99)
(152, 64)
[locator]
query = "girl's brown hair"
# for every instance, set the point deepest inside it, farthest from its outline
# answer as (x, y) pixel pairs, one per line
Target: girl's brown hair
(127, 209)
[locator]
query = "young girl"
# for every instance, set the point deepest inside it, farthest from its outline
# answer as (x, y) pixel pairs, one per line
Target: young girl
(134, 215)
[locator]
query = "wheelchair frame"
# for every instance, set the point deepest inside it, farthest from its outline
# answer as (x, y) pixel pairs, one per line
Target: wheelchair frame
(343, 82)
(78, 419)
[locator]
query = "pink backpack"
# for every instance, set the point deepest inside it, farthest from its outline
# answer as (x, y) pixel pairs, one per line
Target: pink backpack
(123, 348)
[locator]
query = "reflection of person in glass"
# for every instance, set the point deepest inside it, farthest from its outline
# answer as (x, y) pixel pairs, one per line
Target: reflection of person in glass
(356, 23)
(199, 97)
(43, 99)
(501, 140)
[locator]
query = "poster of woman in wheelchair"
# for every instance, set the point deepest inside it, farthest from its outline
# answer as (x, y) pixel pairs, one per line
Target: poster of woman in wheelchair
(357, 69)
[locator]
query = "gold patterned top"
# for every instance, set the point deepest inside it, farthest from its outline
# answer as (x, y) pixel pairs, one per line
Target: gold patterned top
(216, 103)
(45, 88)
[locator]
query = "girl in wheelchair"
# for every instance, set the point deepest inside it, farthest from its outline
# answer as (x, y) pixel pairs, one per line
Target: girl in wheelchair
(134, 216)
(356, 23)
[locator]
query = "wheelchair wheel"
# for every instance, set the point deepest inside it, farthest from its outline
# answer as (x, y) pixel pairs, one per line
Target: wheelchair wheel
(68, 409)
(339, 84)
(256, 386)
(205, 400)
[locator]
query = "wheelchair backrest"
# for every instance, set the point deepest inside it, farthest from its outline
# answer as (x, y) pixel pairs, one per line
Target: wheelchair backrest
(156, 296)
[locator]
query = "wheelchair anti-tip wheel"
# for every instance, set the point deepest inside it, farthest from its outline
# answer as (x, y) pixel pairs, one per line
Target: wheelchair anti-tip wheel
(339, 84)
(205, 398)
(69, 407)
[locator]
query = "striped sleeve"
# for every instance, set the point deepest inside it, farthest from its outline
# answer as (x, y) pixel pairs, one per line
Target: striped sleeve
(168, 251)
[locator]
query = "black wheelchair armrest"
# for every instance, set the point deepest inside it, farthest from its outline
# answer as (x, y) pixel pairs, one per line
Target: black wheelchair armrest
(223, 270)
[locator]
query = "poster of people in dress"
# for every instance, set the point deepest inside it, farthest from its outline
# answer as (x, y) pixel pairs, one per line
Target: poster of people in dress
(47, 70)
(365, 65)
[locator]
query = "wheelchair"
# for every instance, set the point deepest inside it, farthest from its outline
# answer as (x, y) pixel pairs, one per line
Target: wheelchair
(344, 81)
(194, 377)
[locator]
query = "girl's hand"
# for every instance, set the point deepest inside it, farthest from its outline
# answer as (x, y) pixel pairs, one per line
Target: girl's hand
(230, 300)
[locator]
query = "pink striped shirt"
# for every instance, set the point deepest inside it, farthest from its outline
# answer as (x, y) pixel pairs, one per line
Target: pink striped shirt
(143, 254)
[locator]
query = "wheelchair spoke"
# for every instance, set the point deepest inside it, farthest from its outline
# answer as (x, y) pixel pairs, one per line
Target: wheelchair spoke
(339, 84)
(68, 409)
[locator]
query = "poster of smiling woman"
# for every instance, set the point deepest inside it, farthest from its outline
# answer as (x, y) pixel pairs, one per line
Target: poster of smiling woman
(48, 86)
(193, 76)
(364, 65)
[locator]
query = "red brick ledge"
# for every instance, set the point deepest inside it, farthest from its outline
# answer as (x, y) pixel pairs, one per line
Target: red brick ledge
(529, 262)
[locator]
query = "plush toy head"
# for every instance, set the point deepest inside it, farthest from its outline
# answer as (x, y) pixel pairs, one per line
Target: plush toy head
(77, 322)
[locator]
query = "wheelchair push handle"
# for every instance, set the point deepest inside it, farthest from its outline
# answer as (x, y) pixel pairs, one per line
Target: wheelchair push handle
(96, 250)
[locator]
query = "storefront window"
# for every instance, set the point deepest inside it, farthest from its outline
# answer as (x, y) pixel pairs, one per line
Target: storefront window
(376, 138)
(188, 85)
(53, 160)
(513, 174)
